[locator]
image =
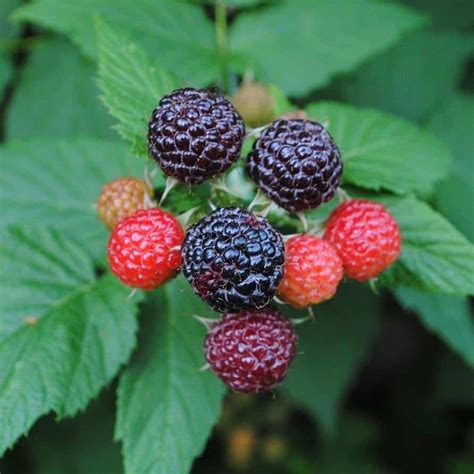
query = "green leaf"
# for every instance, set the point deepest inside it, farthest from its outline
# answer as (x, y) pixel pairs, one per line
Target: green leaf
(59, 182)
(8, 33)
(435, 256)
(6, 72)
(411, 78)
(300, 45)
(282, 104)
(381, 151)
(236, 3)
(351, 451)
(63, 337)
(59, 101)
(331, 350)
(454, 196)
(455, 13)
(448, 316)
(8, 29)
(177, 34)
(131, 83)
(166, 406)
(453, 123)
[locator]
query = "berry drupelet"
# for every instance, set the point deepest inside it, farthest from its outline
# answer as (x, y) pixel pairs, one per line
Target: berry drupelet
(252, 350)
(366, 237)
(195, 135)
(296, 163)
(144, 249)
(233, 259)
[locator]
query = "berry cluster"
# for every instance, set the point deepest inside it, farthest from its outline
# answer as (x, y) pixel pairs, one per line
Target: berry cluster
(235, 260)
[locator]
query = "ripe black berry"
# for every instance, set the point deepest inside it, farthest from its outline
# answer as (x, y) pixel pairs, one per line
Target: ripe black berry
(296, 163)
(194, 135)
(252, 350)
(233, 259)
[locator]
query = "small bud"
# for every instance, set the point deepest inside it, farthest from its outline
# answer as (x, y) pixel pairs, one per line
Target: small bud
(255, 103)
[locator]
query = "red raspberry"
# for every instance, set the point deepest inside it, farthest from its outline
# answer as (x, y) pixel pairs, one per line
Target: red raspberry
(312, 271)
(252, 350)
(366, 237)
(121, 198)
(145, 249)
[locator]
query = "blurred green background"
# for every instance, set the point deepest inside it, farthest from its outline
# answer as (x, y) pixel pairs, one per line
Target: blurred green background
(385, 394)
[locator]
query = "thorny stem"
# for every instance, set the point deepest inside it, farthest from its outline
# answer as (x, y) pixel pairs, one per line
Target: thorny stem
(221, 39)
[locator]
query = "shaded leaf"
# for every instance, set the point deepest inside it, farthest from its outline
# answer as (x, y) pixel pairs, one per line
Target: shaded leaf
(6, 72)
(414, 76)
(351, 451)
(454, 384)
(455, 13)
(448, 316)
(85, 442)
(454, 197)
(331, 350)
(453, 122)
(8, 32)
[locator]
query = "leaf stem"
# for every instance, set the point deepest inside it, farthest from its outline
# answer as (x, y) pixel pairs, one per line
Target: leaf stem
(221, 39)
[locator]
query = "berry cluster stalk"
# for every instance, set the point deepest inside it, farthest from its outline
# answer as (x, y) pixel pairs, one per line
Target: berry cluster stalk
(221, 39)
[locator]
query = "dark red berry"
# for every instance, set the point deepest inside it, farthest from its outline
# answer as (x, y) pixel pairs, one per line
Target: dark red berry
(366, 237)
(296, 163)
(144, 249)
(252, 350)
(194, 135)
(233, 259)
